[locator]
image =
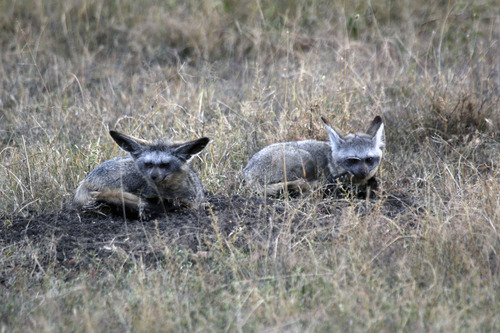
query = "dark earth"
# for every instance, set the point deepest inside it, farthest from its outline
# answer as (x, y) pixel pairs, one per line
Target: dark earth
(74, 240)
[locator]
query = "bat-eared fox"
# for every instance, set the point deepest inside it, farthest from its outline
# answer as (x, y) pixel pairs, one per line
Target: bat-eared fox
(153, 176)
(344, 161)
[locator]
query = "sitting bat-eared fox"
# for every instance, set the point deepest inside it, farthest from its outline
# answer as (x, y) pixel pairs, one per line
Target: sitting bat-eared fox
(346, 161)
(153, 176)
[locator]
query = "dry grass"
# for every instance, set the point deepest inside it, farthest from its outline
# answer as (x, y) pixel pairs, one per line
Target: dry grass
(248, 75)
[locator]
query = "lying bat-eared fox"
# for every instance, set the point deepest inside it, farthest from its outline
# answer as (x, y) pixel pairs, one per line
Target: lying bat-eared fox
(153, 176)
(345, 162)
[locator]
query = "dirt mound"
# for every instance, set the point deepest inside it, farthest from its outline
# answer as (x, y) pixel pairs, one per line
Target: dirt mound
(73, 239)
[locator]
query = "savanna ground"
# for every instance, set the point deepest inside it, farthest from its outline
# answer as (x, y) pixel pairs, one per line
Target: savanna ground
(422, 256)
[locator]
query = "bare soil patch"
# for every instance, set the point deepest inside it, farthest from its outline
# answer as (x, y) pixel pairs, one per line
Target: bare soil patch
(74, 240)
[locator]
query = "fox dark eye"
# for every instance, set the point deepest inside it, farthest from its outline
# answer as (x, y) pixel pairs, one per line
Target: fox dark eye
(371, 160)
(148, 165)
(351, 161)
(164, 165)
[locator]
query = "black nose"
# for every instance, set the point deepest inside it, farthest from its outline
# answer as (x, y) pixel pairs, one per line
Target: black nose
(360, 175)
(154, 175)
(362, 172)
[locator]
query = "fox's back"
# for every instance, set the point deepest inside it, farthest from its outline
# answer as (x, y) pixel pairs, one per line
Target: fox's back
(307, 159)
(116, 173)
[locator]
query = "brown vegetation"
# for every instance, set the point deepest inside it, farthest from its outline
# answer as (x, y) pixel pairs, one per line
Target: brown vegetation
(423, 256)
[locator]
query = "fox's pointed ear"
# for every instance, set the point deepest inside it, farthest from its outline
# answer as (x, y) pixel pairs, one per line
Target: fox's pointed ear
(336, 135)
(377, 131)
(374, 125)
(337, 130)
(126, 142)
(186, 150)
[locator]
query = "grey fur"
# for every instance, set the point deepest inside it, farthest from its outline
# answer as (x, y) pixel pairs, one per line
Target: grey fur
(153, 173)
(300, 165)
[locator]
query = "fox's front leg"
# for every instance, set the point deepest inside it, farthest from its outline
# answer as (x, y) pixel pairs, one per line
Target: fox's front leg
(118, 197)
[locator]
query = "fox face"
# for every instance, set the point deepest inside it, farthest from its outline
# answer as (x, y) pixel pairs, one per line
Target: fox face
(158, 167)
(358, 154)
(361, 168)
(159, 163)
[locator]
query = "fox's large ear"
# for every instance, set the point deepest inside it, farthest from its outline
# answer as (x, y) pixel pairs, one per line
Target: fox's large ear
(126, 142)
(336, 135)
(190, 148)
(377, 132)
(374, 126)
(340, 133)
